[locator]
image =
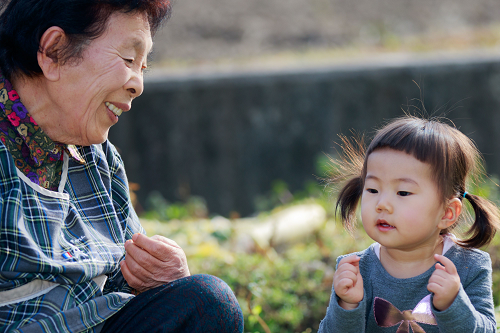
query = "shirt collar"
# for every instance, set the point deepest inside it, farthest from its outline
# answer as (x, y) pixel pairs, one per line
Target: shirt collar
(39, 144)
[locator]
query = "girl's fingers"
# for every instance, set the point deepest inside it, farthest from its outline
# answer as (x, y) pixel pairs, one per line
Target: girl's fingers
(348, 268)
(438, 266)
(350, 264)
(447, 264)
(354, 259)
(438, 290)
(347, 280)
(345, 284)
(344, 281)
(348, 275)
(439, 282)
(433, 287)
(438, 279)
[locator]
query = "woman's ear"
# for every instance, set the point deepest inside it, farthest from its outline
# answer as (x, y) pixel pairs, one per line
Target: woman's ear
(452, 211)
(51, 44)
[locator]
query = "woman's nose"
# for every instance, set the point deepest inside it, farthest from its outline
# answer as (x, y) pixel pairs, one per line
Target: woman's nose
(135, 86)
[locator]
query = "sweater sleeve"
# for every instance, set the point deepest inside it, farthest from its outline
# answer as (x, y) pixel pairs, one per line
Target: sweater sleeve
(339, 320)
(472, 311)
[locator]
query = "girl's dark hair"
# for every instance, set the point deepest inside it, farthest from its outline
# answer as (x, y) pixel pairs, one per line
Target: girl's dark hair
(23, 22)
(452, 156)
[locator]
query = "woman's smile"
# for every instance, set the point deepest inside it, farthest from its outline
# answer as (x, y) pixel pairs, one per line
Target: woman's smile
(113, 108)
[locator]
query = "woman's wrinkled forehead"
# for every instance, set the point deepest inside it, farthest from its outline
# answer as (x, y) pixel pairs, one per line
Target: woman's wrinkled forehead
(140, 41)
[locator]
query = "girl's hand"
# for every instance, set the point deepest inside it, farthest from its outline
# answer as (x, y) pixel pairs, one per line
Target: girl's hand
(348, 283)
(444, 283)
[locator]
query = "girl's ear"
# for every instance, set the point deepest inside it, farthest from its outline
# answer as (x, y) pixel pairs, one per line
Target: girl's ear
(451, 213)
(51, 43)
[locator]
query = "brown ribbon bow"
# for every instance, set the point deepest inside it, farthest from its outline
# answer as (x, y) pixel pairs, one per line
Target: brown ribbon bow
(387, 315)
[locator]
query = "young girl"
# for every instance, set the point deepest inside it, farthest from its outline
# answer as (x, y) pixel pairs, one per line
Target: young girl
(411, 182)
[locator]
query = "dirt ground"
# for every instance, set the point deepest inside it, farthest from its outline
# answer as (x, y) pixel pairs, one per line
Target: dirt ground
(204, 30)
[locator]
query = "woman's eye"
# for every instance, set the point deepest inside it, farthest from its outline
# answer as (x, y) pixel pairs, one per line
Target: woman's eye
(371, 190)
(129, 61)
(404, 193)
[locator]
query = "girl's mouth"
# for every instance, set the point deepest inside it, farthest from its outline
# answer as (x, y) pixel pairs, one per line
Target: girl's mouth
(382, 225)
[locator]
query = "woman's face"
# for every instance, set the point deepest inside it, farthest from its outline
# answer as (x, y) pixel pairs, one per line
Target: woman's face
(93, 92)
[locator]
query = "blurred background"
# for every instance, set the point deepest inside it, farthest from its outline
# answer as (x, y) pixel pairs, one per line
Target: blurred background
(237, 31)
(244, 93)
(227, 147)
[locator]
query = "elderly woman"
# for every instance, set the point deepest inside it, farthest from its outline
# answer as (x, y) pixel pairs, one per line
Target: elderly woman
(73, 256)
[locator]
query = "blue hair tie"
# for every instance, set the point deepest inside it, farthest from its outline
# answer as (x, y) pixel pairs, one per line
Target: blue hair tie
(465, 193)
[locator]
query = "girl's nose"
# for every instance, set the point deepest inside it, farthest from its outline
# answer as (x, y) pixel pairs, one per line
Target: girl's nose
(384, 204)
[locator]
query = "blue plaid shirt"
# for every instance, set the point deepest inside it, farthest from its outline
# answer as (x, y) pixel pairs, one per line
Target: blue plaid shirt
(60, 250)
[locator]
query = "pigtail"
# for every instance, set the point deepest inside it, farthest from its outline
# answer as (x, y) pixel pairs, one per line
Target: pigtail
(347, 172)
(486, 223)
(348, 200)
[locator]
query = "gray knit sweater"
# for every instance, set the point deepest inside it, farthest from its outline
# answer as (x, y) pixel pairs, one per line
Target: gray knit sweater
(387, 299)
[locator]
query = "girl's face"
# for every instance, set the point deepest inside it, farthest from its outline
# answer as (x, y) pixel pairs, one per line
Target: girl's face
(401, 206)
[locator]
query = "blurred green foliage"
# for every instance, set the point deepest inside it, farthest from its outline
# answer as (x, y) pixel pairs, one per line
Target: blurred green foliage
(280, 195)
(284, 292)
(158, 208)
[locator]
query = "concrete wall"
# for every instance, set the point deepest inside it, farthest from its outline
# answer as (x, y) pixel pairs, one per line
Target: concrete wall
(227, 137)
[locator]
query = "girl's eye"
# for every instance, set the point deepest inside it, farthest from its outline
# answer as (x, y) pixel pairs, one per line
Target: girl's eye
(371, 190)
(403, 193)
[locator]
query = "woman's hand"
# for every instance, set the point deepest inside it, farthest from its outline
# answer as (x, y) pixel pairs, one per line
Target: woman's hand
(348, 283)
(444, 283)
(152, 261)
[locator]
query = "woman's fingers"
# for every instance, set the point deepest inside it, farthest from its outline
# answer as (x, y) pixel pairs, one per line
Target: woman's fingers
(158, 246)
(150, 262)
(142, 257)
(142, 268)
(166, 240)
(131, 279)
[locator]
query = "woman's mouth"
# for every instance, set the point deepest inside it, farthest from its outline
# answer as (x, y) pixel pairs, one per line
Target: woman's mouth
(116, 111)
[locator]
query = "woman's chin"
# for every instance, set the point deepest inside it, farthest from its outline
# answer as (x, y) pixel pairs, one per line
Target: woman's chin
(94, 139)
